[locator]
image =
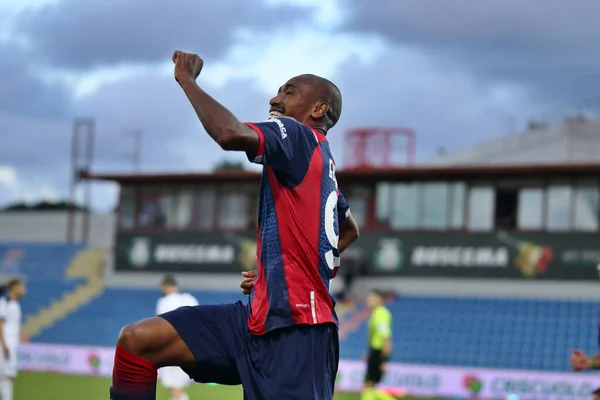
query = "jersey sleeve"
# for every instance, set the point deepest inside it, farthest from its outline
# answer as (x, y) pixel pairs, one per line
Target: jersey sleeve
(343, 208)
(284, 144)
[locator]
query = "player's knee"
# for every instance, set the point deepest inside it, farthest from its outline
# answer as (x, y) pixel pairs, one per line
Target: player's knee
(132, 338)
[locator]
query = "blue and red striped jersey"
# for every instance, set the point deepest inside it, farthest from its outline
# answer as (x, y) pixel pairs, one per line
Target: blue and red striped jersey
(298, 227)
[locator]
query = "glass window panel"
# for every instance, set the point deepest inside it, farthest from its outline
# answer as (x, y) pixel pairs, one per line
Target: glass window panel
(382, 201)
(530, 214)
(169, 201)
(127, 208)
(435, 205)
(481, 209)
(457, 204)
(558, 215)
(405, 206)
(204, 208)
(233, 211)
(586, 208)
(150, 211)
(358, 208)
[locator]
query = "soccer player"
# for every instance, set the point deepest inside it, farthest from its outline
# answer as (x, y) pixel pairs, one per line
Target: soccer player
(10, 335)
(284, 343)
(173, 378)
(380, 346)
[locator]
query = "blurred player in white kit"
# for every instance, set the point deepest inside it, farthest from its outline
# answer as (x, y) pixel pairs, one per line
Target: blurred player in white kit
(173, 378)
(10, 335)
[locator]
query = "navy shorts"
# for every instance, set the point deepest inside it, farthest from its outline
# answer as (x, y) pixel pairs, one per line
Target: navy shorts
(293, 363)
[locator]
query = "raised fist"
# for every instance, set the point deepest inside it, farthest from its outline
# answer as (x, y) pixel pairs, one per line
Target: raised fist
(187, 65)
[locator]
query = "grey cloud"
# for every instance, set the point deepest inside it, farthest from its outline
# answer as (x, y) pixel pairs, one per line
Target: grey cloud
(173, 138)
(444, 109)
(548, 46)
(23, 92)
(83, 34)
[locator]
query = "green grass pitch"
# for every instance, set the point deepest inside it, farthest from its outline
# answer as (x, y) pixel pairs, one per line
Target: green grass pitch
(51, 386)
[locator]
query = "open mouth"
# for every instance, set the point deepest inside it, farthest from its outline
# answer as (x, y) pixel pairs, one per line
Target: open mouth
(275, 114)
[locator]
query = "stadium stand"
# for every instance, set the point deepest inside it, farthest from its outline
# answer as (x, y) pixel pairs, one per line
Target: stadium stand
(60, 277)
(486, 332)
(99, 322)
(43, 266)
(470, 332)
(67, 303)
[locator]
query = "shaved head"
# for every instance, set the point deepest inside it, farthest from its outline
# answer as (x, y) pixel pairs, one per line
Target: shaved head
(327, 92)
(309, 99)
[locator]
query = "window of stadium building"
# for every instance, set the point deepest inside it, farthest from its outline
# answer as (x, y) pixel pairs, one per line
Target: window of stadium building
(423, 206)
(358, 199)
(233, 210)
(127, 208)
(404, 213)
(586, 204)
(456, 205)
(530, 210)
(164, 207)
(434, 205)
(204, 209)
(558, 210)
(481, 209)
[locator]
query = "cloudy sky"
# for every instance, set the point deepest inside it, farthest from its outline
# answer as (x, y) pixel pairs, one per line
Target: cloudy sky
(458, 72)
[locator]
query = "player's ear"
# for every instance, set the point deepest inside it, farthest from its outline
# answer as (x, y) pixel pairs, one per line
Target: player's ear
(320, 110)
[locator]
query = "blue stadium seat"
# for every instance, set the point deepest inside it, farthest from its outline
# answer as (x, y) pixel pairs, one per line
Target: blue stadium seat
(471, 332)
(486, 332)
(99, 322)
(43, 266)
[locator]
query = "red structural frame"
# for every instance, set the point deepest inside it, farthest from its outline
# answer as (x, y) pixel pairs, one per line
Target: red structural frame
(379, 147)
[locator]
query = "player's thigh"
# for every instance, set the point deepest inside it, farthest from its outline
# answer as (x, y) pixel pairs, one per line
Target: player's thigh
(157, 341)
(216, 335)
(296, 363)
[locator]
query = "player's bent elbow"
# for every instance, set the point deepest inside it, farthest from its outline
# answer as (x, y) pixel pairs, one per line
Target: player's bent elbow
(229, 141)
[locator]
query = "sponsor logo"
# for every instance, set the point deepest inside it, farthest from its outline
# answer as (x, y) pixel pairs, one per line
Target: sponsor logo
(472, 383)
(281, 127)
(463, 257)
(140, 252)
(389, 255)
(94, 362)
(48, 358)
(541, 387)
(194, 254)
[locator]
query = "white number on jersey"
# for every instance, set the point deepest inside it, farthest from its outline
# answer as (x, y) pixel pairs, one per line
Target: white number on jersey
(330, 210)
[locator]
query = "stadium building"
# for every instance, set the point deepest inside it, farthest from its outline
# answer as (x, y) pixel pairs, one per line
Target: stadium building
(491, 252)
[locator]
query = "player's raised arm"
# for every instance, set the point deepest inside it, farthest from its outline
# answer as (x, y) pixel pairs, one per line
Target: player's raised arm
(218, 121)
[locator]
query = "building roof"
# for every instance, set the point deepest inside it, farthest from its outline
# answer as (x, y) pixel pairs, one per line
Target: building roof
(436, 172)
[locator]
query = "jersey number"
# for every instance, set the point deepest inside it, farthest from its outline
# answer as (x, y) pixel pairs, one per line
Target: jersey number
(332, 260)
